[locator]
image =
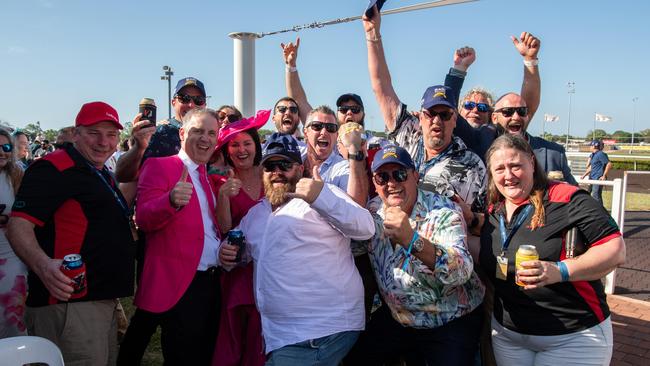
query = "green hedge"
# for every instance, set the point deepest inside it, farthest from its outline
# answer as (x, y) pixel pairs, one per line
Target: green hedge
(629, 165)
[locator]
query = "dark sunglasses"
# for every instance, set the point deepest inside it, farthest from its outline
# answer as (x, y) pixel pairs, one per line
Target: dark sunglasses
(354, 108)
(229, 117)
(7, 147)
(283, 108)
(399, 175)
(330, 127)
(482, 107)
(185, 99)
(509, 111)
(444, 116)
(270, 166)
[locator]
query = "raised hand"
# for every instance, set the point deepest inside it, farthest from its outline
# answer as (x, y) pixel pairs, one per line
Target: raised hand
(231, 187)
(372, 25)
(397, 226)
(350, 136)
(308, 189)
(142, 130)
(527, 46)
(290, 52)
(464, 57)
(182, 192)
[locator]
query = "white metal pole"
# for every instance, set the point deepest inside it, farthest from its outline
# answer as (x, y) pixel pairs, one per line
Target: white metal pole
(623, 198)
(610, 279)
(244, 71)
(571, 91)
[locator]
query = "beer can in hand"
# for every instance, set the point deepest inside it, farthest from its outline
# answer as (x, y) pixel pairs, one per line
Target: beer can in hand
(148, 110)
(236, 237)
(75, 269)
(525, 253)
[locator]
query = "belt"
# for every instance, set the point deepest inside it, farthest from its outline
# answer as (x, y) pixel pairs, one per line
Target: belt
(211, 271)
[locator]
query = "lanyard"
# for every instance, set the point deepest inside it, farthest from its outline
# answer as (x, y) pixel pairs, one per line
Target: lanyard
(423, 166)
(120, 200)
(505, 238)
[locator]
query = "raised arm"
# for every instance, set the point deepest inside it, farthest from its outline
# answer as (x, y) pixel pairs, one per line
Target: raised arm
(528, 47)
(380, 79)
(292, 79)
(350, 136)
(128, 166)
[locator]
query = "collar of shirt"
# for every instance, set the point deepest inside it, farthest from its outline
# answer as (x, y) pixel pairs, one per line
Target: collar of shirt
(176, 123)
(189, 163)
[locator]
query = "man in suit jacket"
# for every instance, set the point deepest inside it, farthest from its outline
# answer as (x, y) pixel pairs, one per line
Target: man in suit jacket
(176, 211)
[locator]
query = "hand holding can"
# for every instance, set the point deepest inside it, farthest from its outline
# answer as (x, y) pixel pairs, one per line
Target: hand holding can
(524, 253)
(75, 269)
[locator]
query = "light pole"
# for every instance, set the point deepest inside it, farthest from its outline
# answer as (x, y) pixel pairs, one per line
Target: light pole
(634, 118)
(168, 76)
(571, 91)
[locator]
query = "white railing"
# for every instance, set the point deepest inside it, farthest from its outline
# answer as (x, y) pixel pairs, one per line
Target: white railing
(624, 195)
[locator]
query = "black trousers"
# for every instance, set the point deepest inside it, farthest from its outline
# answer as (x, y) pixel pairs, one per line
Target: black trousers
(142, 326)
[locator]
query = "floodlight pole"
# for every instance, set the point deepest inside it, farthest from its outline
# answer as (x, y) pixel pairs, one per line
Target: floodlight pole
(244, 71)
(571, 91)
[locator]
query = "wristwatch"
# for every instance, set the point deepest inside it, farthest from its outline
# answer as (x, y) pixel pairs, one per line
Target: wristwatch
(358, 156)
(418, 244)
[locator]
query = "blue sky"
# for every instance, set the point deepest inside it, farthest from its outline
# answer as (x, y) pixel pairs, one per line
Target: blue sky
(58, 54)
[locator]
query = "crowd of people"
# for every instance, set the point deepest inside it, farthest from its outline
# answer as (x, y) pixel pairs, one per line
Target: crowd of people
(356, 250)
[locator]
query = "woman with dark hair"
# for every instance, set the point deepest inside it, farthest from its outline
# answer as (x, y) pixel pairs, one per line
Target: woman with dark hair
(550, 310)
(227, 114)
(13, 273)
(240, 330)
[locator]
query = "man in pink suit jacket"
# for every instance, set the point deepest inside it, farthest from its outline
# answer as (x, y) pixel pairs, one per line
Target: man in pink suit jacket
(175, 209)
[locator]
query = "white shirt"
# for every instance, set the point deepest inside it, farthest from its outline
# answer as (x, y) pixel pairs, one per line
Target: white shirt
(209, 255)
(306, 284)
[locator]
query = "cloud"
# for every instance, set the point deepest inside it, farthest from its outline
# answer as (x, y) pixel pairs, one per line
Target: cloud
(16, 50)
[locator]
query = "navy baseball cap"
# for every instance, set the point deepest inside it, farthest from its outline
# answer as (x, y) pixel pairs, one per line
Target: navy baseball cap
(282, 145)
(392, 154)
(349, 96)
(189, 82)
(438, 95)
(596, 143)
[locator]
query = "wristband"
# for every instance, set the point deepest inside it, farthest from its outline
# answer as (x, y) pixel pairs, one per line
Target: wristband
(564, 271)
(458, 73)
(408, 251)
(377, 39)
(291, 68)
(531, 63)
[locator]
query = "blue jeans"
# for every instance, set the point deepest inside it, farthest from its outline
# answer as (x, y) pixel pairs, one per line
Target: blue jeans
(324, 351)
(597, 192)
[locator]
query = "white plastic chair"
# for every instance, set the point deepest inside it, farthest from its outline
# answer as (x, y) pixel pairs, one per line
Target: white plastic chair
(18, 351)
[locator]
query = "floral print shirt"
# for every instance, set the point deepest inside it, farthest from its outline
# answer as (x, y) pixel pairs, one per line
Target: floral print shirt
(419, 296)
(165, 141)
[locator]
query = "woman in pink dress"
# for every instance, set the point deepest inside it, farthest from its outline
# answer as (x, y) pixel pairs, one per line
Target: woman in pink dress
(240, 331)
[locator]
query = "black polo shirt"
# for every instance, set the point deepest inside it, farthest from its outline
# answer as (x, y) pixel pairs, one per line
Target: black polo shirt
(75, 209)
(559, 308)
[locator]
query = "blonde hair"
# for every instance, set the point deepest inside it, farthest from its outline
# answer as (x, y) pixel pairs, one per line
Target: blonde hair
(14, 172)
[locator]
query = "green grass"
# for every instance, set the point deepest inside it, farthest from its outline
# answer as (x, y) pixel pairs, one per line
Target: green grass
(633, 201)
(153, 355)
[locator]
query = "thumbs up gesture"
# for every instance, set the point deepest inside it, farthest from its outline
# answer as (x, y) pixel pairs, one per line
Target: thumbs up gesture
(231, 187)
(308, 189)
(397, 226)
(182, 191)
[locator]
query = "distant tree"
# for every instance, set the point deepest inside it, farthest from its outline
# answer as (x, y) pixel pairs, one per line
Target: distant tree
(622, 136)
(32, 130)
(50, 135)
(645, 133)
(600, 134)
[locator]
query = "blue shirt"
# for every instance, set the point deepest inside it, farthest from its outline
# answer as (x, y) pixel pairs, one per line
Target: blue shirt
(598, 161)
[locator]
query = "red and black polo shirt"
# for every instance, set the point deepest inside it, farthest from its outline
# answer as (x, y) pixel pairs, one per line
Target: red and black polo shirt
(560, 308)
(75, 210)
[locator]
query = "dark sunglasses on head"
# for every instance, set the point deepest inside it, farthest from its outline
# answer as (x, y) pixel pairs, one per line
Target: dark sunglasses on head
(230, 117)
(509, 111)
(185, 99)
(7, 147)
(399, 175)
(270, 166)
(482, 107)
(444, 116)
(283, 108)
(354, 108)
(330, 127)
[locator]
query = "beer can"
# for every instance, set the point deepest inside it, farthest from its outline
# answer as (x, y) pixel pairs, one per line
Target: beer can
(525, 253)
(236, 237)
(75, 269)
(148, 110)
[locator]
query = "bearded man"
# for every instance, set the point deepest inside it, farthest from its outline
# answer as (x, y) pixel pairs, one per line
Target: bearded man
(307, 288)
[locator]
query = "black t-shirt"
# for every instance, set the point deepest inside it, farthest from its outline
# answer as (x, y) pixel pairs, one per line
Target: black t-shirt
(560, 308)
(78, 209)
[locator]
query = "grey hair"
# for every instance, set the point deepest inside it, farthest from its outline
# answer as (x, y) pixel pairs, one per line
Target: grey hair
(477, 90)
(196, 113)
(320, 109)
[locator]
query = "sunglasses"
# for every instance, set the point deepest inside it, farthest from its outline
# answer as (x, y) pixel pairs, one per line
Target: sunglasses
(7, 147)
(185, 99)
(444, 116)
(330, 127)
(399, 176)
(229, 117)
(270, 166)
(509, 111)
(482, 107)
(283, 108)
(354, 108)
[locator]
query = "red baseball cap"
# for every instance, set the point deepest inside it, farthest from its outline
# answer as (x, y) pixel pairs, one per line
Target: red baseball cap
(94, 112)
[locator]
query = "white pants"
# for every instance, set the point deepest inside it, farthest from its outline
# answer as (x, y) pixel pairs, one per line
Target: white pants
(591, 346)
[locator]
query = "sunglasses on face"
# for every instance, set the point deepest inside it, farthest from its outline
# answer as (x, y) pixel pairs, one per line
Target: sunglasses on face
(270, 166)
(444, 116)
(229, 117)
(329, 127)
(399, 176)
(7, 147)
(509, 111)
(353, 108)
(283, 108)
(185, 99)
(482, 107)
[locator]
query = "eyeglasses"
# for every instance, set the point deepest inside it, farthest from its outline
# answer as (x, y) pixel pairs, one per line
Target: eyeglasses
(399, 176)
(7, 147)
(230, 117)
(270, 166)
(482, 107)
(354, 108)
(185, 99)
(330, 127)
(283, 108)
(509, 111)
(444, 116)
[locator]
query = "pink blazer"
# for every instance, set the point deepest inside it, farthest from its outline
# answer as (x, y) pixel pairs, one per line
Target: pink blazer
(174, 239)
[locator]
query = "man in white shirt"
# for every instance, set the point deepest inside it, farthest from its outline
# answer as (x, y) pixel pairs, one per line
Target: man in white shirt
(307, 288)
